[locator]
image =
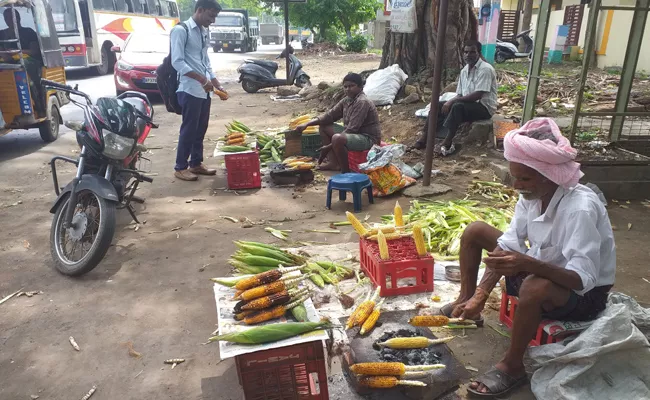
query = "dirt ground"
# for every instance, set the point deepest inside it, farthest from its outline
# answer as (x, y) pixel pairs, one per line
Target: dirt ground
(152, 288)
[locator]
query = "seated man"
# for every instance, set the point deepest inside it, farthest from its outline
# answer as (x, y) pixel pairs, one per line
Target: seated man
(476, 100)
(361, 123)
(566, 270)
(30, 48)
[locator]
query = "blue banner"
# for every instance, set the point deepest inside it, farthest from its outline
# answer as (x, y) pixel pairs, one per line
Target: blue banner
(22, 87)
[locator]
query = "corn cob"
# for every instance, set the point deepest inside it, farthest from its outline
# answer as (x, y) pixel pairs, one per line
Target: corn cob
(274, 299)
(235, 135)
(272, 313)
(241, 315)
(265, 252)
(419, 241)
(417, 342)
(222, 95)
(397, 212)
(318, 280)
(354, 313)
(264, 278)
(383, 246)
(436, 320)
(236, 142)
(372, 319)
(365, 309)
(386, 382)
(383, 228)
(389, 236)
(296, 258)
(256, 260)
(356, 224)
(389, 368)
(271, 332)
(271, 288)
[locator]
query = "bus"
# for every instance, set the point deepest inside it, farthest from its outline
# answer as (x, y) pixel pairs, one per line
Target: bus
(88, 29)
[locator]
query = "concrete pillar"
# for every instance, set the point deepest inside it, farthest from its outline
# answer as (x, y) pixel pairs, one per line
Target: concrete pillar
(558, 42)
(489, 14)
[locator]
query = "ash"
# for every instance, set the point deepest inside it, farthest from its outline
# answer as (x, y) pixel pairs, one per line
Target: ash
(408, 357)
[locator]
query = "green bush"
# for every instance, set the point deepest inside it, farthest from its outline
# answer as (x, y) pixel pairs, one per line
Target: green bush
(356, 43)
(331, 36)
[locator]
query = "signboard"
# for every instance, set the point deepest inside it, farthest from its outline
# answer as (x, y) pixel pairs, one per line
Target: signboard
(22, 87)
(402, 16)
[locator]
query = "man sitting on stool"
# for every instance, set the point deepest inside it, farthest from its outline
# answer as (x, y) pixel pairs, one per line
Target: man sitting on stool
(568, 266)
(360, 120)
(476, 100)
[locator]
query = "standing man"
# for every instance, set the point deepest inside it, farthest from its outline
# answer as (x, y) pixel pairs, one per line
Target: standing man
(189, 51)
(360, 120)
(476, 100)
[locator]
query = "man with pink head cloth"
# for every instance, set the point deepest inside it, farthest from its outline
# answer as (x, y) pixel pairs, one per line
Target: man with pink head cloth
(558, 255)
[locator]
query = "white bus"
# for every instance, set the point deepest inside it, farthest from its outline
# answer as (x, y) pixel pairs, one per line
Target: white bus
(87, 29)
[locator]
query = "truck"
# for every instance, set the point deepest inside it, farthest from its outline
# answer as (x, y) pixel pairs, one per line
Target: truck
(234, 29)
(272, 33)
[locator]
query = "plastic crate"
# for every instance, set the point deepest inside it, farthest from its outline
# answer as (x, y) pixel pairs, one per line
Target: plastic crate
(507, 315)
(405, 273)
(243, 171)
(355, 158)
(292, 143)
(310, 145)
(295, 372)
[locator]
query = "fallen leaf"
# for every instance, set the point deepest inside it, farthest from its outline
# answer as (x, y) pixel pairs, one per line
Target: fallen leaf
(476, 171)
(26, 244)
(132, 352)
(629, 226)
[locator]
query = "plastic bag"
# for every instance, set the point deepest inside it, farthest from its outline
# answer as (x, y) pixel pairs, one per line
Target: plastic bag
(382, 85)
(424, 112)
(386, 171)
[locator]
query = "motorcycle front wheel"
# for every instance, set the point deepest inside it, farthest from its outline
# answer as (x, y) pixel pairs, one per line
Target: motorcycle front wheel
(80, 248)
(500, 57)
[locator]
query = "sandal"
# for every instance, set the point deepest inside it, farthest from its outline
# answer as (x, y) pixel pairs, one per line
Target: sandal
(444, 151)
(447, 309)
(498, 383)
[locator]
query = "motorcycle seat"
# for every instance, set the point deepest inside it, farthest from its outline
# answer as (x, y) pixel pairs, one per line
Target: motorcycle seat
(264, 63)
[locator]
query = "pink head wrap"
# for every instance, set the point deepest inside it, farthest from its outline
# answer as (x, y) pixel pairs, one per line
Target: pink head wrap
(553, 160)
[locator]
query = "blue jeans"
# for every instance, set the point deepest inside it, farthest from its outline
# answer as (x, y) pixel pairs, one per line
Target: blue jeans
(196, 115)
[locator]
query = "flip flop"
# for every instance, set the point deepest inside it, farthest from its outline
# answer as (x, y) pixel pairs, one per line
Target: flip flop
(444, 151)
(448, 308)
(498, 383)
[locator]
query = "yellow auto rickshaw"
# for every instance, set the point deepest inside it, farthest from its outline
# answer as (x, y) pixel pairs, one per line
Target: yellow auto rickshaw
(29, 52)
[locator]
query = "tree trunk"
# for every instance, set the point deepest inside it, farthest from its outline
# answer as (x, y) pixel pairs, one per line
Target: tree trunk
(414, 52)
(528, 15)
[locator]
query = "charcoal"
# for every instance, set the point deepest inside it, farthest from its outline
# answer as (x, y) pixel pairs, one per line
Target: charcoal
(409, 356)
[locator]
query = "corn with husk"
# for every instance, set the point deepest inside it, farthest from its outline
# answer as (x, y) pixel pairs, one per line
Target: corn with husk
(383, 246)
(271, 332)
(417, 342)
(356, 224)
(390, 368)
(420, 246)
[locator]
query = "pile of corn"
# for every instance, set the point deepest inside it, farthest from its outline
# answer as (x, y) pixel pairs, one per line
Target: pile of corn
(235, 138)
(366, 314)
(269, 295)
(299, 163)
(303, 119)
(271, 148)
(386, 375)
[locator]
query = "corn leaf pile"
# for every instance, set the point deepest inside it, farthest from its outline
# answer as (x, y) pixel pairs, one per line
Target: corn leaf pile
(504, 196)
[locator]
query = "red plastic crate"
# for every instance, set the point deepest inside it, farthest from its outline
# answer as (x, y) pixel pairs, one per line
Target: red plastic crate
(507, 315)
(359, 157)
(243, 171)
(405, 273)
(289, 373)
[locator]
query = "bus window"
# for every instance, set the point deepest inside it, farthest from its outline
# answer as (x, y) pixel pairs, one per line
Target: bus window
(144, 7)
(121, 6)
(153, 8)
(173, 9)
(129, 6)
(105, 5)
(158, 8)
(63, 13)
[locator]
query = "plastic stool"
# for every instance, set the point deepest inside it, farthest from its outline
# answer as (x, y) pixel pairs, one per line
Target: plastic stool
(349, 182)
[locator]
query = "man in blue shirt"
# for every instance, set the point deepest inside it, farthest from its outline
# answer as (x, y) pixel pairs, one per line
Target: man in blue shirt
(189, 51)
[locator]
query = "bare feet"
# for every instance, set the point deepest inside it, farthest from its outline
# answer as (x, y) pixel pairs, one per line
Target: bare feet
(329, 166)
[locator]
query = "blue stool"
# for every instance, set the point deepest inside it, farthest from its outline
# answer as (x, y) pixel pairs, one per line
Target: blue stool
(349, 182)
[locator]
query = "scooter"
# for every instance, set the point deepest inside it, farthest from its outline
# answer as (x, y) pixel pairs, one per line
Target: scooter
(507, 50)
(111, 139)
(258, 74)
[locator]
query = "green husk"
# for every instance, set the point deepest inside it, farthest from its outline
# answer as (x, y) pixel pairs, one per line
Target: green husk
(271, 332)
(250, 259)
(230, 281)
(265, 252)
(299, 312)
(318, 280)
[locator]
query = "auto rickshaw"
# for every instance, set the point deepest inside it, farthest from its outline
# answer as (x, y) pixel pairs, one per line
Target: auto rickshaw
(24, 103)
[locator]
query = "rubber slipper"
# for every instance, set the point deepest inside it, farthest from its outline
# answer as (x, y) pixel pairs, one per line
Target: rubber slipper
(447, 151)
(498, 383)
(448, 308)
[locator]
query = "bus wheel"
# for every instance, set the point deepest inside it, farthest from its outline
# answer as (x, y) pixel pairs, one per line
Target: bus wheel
(49, 129)
(104, 67)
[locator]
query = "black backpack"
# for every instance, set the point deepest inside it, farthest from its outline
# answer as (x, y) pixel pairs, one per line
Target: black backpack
(167, 79)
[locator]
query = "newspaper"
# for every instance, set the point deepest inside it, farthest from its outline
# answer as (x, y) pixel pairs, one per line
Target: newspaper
(224, 298)
(218, 153)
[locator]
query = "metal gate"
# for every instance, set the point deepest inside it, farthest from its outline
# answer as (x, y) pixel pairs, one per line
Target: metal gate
(508, 24)
(573, 18)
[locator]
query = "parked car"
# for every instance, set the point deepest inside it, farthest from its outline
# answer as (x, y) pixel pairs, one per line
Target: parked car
(136, 64)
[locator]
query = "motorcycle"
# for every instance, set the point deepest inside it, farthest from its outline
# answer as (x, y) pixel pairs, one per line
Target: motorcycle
(259, 74)
(111, 139)
(507, 50)
(306, 45)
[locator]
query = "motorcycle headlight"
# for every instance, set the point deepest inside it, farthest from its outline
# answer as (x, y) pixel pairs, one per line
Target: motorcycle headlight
(122, 66)
(117, 147)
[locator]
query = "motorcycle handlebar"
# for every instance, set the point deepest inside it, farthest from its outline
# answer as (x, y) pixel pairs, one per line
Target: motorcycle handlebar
(64, 88)
(139, 95)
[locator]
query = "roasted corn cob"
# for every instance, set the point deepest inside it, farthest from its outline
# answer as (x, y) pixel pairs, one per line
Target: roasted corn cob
(417, 342)
(372, 319)
(271, 288)
(356, 224)
(386, 382)
(419, 240)
(365, 309)
(274, 299)
(243, 314)
(397, 213)
(222, 95)
(272, 313)
(389, 368)
(436, 320)
(354, 313)
(383, 246)
(264, 278)
(271, 332)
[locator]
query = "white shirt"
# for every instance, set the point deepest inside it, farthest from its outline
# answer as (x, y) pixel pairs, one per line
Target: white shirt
(574, 233)
(482, 78)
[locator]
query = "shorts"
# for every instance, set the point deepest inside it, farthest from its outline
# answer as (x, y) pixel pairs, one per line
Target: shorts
(358, 142)
(578, 308)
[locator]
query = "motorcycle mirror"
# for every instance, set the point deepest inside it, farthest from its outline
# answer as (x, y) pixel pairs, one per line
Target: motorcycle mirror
(74, 125)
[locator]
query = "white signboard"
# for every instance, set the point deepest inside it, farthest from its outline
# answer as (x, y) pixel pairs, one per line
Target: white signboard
(402, 16)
